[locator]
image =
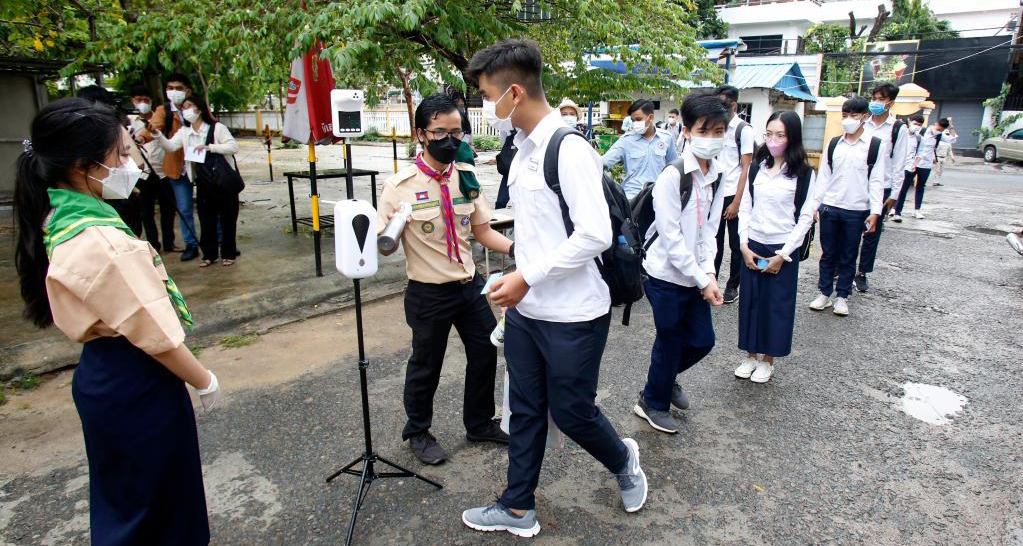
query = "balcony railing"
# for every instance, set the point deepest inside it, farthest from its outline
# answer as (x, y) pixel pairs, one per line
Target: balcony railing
(744, 3)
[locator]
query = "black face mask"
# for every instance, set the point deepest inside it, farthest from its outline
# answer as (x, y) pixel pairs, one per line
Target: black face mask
(443, 150)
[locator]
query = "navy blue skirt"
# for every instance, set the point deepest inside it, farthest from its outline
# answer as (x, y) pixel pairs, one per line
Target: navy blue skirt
(145, 477)
(767, 307)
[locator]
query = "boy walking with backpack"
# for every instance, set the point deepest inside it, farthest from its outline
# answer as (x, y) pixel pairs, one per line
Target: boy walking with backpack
(559, 304)
(680, 260)
(850, 189)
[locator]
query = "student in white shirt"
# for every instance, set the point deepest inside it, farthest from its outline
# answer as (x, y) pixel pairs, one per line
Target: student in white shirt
(894, 137)
(559, 305)
(734, 161)
(682, 284)
(154, 188)
(923, 162)
(850, 194)
(216, 207)
(769, 231)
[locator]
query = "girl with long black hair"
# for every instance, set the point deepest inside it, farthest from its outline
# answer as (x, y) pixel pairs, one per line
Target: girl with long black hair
(217, 206)
(772, 226)
(82, 269)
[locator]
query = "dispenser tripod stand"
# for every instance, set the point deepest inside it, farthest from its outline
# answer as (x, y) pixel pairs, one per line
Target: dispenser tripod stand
(368, 474)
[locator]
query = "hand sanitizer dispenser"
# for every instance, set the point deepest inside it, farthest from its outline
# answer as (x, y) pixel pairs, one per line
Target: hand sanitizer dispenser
(355, 238)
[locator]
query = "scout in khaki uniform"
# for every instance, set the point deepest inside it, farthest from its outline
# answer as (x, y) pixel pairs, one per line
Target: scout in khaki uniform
(444, 288)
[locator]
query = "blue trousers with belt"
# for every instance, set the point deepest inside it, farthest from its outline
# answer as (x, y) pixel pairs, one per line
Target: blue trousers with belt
(554, 366)
(868, 250)
(685, 334)
(841, 231)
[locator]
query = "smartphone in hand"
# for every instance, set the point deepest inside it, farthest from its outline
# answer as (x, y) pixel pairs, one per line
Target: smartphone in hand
(761, 264)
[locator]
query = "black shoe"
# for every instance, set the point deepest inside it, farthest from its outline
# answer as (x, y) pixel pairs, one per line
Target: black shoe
(490, 433)
(427, 449)
(731, 295)
(679, 398)
(190, 253)
(860, 282)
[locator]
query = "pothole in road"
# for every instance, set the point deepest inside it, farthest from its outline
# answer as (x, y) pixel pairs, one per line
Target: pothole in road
(986, 230)
(931, 404)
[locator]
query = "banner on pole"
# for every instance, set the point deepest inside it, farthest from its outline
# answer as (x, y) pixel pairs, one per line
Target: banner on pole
(307, 114)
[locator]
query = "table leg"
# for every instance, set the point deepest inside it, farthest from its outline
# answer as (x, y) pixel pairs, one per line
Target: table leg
(291, 201)
(373, 188)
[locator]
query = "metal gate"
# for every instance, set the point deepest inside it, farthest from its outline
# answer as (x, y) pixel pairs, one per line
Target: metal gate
(967, 117)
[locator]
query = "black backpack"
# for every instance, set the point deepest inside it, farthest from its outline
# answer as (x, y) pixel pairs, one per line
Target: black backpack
(216, 171)
(895, 135)
(802, 190)
(621, 266)
(872, 151)
(643, 203)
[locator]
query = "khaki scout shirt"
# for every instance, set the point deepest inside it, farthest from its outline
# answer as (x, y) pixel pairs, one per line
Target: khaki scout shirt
(426, 249)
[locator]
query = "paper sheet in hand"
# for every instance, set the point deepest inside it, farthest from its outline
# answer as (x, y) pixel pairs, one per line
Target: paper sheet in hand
(490, 282)
(193, 155)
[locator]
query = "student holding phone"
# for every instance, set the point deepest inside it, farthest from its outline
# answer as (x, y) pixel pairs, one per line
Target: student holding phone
(775, 214)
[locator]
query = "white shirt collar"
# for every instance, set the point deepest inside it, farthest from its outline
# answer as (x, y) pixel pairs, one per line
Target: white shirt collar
(890, 120)
(543, 130)
(734, 122)
(690, 164)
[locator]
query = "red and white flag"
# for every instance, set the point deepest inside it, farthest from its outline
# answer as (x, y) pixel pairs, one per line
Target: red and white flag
(308, 110)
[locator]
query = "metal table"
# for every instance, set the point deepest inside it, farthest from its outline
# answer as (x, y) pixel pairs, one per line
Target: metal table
(325, 220)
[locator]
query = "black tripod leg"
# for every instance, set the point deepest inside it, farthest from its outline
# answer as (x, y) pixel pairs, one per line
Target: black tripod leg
(364, 484)
(345, 468)
(409, 472)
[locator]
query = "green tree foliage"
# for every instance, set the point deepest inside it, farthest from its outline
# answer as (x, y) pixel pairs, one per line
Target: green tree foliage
(914, 20)
(836, 71)
(706, 21)
(41, 29)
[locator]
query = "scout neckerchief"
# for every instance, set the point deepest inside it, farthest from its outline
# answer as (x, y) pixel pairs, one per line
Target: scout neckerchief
(445, 204)
(467, 181)
(73, 212)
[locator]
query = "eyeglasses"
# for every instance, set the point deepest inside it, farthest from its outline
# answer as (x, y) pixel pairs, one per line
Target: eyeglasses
(441, 134)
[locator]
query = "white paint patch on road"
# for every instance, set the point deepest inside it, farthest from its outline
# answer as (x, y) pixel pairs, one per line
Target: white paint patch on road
(66, 532)
(235, 489)
(931, 404)
(7, 511)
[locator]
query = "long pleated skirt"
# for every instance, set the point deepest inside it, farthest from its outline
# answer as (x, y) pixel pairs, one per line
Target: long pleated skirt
(767, 306)
(145, 477)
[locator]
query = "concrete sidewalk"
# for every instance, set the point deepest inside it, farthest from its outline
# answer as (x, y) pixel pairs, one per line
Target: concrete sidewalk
(272, 283)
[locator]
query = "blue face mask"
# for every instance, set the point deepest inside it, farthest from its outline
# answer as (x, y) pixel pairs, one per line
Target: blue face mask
(876, 108)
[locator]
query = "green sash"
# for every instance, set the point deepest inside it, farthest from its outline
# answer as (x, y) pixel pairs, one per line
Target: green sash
(73, 212)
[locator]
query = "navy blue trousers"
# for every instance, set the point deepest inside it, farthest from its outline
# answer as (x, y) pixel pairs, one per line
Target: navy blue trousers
(685, 334)
(921, 176)
(554, 366)
(145, 478)
(767, 308)
(841, 231)
(868, 249)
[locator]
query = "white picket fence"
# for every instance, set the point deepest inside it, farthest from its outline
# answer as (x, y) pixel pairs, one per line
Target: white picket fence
(383, 119)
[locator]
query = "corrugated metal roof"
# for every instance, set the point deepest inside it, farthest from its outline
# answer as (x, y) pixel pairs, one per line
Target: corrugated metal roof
(785, 77)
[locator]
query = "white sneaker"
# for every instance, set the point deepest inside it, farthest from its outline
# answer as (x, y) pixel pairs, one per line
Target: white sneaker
(891, 213)
(746, 368)
(918, 215)
(762, 373)
(897, 218)
(820, 303)
(1015, 242)
(841, 307)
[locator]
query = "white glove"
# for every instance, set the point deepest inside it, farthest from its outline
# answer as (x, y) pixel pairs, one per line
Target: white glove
(210, 394)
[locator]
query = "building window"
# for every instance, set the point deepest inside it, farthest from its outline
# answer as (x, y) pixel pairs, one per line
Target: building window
(532, 11)
(762, 45)
(744, 110)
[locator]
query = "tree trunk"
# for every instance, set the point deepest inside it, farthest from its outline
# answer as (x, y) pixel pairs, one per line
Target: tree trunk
(407, 91)
(882, 16)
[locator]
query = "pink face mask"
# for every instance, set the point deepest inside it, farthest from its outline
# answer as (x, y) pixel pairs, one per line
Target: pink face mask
(776, 147)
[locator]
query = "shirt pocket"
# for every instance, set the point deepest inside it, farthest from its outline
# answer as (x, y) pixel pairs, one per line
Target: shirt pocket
(463, 222)
(427, 222)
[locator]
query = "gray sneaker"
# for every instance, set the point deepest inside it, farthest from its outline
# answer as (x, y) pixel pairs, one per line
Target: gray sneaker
(679, 398)
(660, 420)
(498, 518)
(632, 483)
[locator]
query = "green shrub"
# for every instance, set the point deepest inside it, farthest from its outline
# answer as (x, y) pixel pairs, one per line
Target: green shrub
(410, 149)
(486, 143)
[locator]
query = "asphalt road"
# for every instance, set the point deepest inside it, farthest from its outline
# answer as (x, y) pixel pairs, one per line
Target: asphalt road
(823, 454)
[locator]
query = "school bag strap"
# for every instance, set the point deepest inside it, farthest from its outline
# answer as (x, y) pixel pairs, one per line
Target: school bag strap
(685, 190)
(738, 138)
(896, 127)
(550, 172)
(937, 140)
(168, 120)
(872, 152)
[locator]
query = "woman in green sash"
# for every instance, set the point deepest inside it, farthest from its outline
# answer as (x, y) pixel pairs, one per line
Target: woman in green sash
(82, 270)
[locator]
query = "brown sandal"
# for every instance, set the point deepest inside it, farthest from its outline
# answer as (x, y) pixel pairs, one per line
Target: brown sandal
(206, 263)
(227, 262)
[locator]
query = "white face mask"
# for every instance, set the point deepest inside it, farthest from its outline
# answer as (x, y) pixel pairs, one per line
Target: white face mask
(190, 115)
(639, 127)
(490, 115)
(850, 125)
(571, 121)
(914, 129)
(143, 107)
(706, 147)
(176, 96)
(120, 180)
(672, 122)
